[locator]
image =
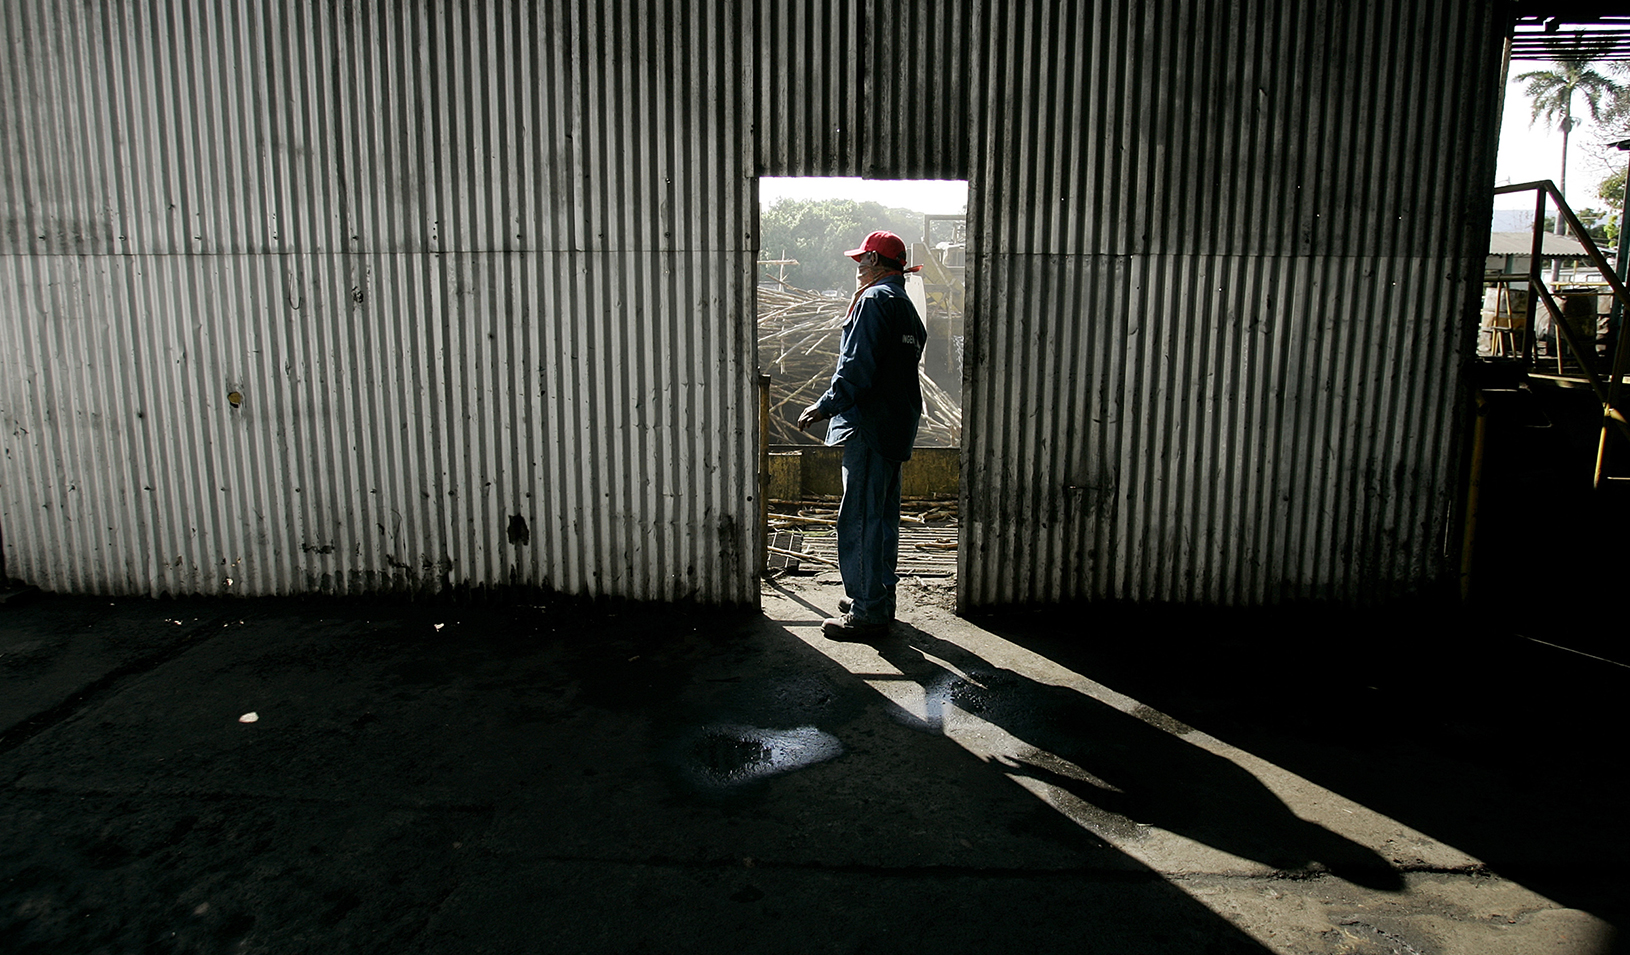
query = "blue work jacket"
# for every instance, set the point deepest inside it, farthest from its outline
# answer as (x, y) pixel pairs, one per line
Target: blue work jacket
(874, 392)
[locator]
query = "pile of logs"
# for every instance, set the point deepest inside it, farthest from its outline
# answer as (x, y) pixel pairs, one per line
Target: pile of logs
(928, 538)
(798, 336)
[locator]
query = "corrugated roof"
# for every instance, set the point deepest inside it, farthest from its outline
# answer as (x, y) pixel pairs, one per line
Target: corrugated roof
(1579, 32)
(1522, 243)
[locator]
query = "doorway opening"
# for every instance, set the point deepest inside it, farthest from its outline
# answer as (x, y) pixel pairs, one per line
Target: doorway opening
(804, 287)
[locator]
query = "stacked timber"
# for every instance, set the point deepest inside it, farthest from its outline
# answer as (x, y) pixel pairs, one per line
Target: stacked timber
(798, 336)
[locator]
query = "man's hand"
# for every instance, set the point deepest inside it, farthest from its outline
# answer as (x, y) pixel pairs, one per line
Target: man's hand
(811, 415)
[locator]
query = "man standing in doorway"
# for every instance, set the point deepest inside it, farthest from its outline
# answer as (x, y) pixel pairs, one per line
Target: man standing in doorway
(874, 403)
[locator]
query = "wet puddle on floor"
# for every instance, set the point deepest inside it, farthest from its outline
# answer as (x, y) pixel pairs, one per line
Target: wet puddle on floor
(722, 756)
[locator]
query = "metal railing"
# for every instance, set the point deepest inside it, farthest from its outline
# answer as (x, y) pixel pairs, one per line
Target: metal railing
(1611, 391)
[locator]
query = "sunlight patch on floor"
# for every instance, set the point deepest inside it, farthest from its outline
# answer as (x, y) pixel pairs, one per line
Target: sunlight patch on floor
(932, 698)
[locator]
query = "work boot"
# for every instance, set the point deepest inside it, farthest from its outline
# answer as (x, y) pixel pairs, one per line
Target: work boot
(845, 605)
(845, 627)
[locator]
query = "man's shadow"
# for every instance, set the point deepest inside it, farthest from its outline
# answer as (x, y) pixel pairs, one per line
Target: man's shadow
(1127, 768)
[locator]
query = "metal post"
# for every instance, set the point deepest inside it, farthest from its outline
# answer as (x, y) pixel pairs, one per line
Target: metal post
(1474, 488)
(763, 474)
(1531, 353)
(1620, 355)
(1620, 265)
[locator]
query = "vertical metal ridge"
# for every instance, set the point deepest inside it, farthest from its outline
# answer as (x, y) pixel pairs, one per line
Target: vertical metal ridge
(16, 130)
(22, 412)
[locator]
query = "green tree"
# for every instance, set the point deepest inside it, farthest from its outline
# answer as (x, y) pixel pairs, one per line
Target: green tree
(1611, 192)
(1595, 223)
(817, 231)
(1615, 117)
(1613, 126)
(1552, 92)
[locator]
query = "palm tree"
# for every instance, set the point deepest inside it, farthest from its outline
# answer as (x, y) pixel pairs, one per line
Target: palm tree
(1552, 94)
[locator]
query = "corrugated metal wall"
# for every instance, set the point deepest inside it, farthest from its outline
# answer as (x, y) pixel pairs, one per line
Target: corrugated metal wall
(480, 273)
(808, 88)
(923, 70)
(1224, 257)
(875, 90)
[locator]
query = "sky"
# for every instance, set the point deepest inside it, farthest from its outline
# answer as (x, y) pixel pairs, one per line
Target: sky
(930, 196)
(1527, 152)
(1530, 152)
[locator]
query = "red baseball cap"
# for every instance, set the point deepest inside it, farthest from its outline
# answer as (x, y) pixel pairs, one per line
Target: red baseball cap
(886, 244)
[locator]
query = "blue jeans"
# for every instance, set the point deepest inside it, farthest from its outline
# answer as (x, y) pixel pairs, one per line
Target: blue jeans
(869, 531)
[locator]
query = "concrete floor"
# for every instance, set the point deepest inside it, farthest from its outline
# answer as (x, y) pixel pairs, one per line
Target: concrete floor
(431, 777)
